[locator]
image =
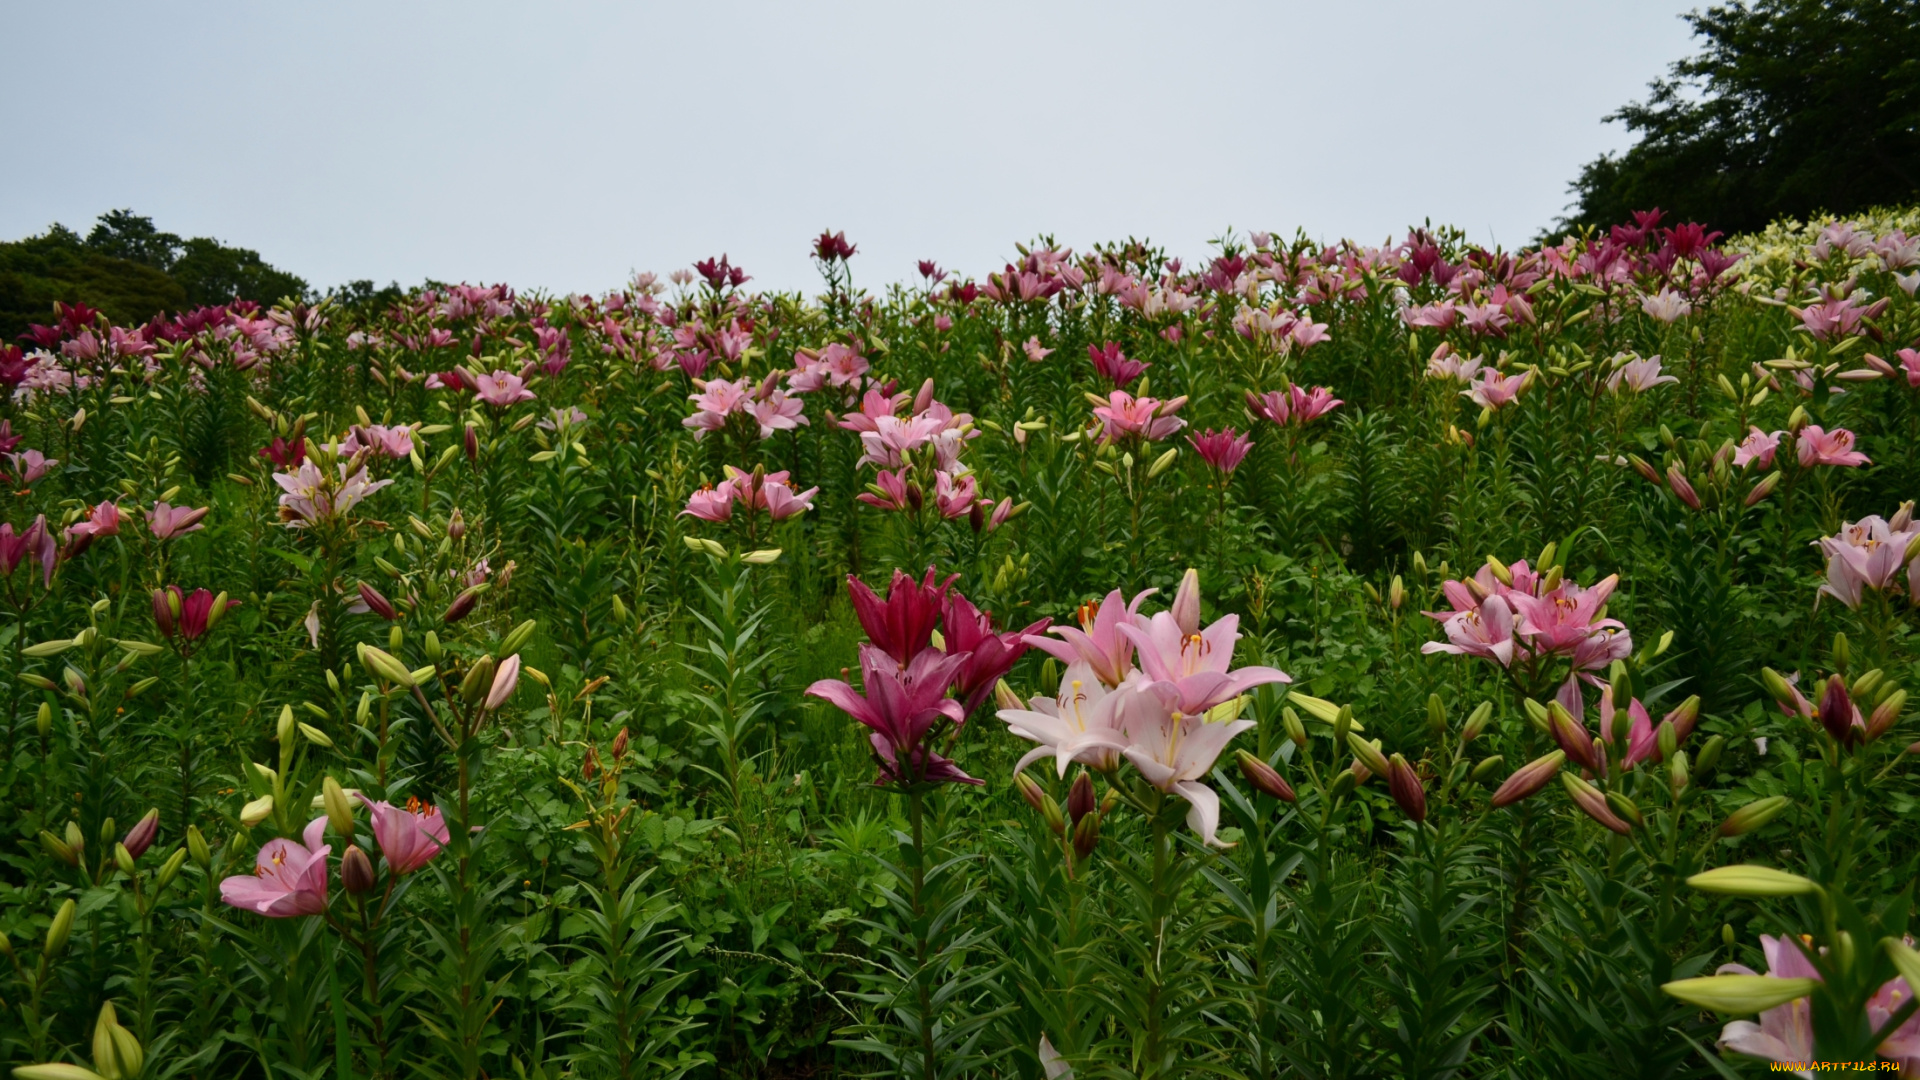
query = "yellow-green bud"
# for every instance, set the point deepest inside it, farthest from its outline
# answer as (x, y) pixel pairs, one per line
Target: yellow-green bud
(1753, 815)
(1487, 767)
(515, 640)
(433, 647)
(1476, 722)
(1436, 715)
(1296, 731)
(338, 805)
(197, 847)
(123, 859)
(1747, 880)
(59, 930)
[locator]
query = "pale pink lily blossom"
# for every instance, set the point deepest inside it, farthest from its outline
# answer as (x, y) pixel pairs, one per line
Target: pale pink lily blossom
(1195, 663)
(1491, 390)
(501, 389)
(1638, 375)
(1174, 749)
(1124, 416)
(1098, 641)
(288, 879)
(309, 498)
(1081, 724)
(1818, 446)
(167, 522)
(1866, 554)
(1758, 447)
(1666, 306)
(30, 465)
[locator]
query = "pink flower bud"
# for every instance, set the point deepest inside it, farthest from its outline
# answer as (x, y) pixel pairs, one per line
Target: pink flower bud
(1264, 777)
(377, 603)
(1529, 778)
(505, 679)
(1403, 783)
(140, 837)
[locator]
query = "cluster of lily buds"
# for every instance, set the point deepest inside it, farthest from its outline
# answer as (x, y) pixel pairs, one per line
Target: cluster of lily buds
(117, 1054)
(1838, 711)
(1077, 824)
(1515, 614)
(906, 677)
(189, 616)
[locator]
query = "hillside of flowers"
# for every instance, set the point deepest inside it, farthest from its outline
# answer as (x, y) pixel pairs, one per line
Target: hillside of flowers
(1297, 660)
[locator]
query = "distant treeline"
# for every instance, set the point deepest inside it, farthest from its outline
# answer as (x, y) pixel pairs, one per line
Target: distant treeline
(131, 270)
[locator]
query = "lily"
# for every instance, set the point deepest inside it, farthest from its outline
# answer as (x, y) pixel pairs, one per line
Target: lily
(1174, 749)
(409, 836)
(1195, 664)
(288, 879)
(1098, 640)
(1082, 723)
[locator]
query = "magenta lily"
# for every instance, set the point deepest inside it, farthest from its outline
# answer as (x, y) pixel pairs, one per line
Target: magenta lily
(990, 654)
(901, 626)
(1818, 446)
(899, 707)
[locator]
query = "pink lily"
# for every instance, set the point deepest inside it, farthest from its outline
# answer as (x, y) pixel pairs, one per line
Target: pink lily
(288, 879)
(1785, 1032)
(35, 543)
(1125, 416)
(1818, 446)
(167, 522)
(899, 706)
(1864, 554)
(408, 835)
(30, 465)
(990, 654)
(501, 389)
(102, 520)
(1081, 724)
(1639, 375)
(1494, 391)
(1483, 630)
(1098, 640)
(1196, 664)
(1759, 446)
(1174, 750)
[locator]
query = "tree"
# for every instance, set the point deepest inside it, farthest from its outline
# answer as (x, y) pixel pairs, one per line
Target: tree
(1793, 107)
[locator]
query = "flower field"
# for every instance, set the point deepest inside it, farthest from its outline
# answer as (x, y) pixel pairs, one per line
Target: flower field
(1321, 661)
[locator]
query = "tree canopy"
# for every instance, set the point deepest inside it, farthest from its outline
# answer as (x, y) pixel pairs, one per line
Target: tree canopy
(1793, 107)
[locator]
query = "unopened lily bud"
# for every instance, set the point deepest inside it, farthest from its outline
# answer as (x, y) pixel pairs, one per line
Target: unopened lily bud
(59, 848)
(1665, 740)
(1343, 784)
(1436, 715)
(619, 607)
(1865, 685)
(762, 557)
(1396, 593)
(338, 806)
(219, 610)
(923, 400)
(43, 720)
(479, 677)
(1500, 572)
(1626, 808)
(1727, 936)
(1342, 726)
(1086, 834)
(1419, 564)
(1777, 686)
(1368, 754)
(1798, 419)
(123, 859)
(1645, 470)
(1589, 800)
(283, 729)
(1476, 722)
(1754, 881)
(431, 646)
(1080, 801)
(1264, 777)
(1005, 698)
(377, 602)
(1486, 768)
(197, 847)
(1108, 801)
(315, 736)
(1186, 603)
(1050, 813)
(1710, 754)
(1842, 652)
(76, 839)
(1836, 712)
(1682, 487)
(386, 667)
(1678, 775)
(1538, 716)
(140, 837)
(1572, 736)
(1296, 730)
(506, 678)
(60, 929)
(395, 636)
(590, 766)
(255, 812)
(356, 871)
(1030, 791)
(1753, 815)
(516, 639)
(1403, 783)
(1764, 488)
(1529, 778)
(1886, 714)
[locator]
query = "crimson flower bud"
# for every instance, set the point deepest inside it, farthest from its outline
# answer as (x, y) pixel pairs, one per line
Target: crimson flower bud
(1572, 736)
(1677, 480)
(472, 440)
(1837, 712)
(620, 742)
(590, 767)
(1588, 798)
(456, 525)
(356, 871)
(1403, 783)
(461, 607)
(1080, 797)
(377, 603)
(1264, 777)
(163, 612)
(140, 837)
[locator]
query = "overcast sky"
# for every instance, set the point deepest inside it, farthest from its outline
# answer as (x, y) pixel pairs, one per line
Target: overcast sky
(564, 145)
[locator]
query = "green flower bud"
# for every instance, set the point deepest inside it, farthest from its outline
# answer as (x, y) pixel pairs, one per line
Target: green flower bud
(1487, 767)
(1748, 880)
(1476, 722)
(197, 848)
(169, 869)
(1710, 755)
(1753, 815)
(59, 930)
(1436, 715)
(515, 640)
(1296, 731)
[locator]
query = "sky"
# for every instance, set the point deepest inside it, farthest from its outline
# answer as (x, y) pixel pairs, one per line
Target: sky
(565, 145)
